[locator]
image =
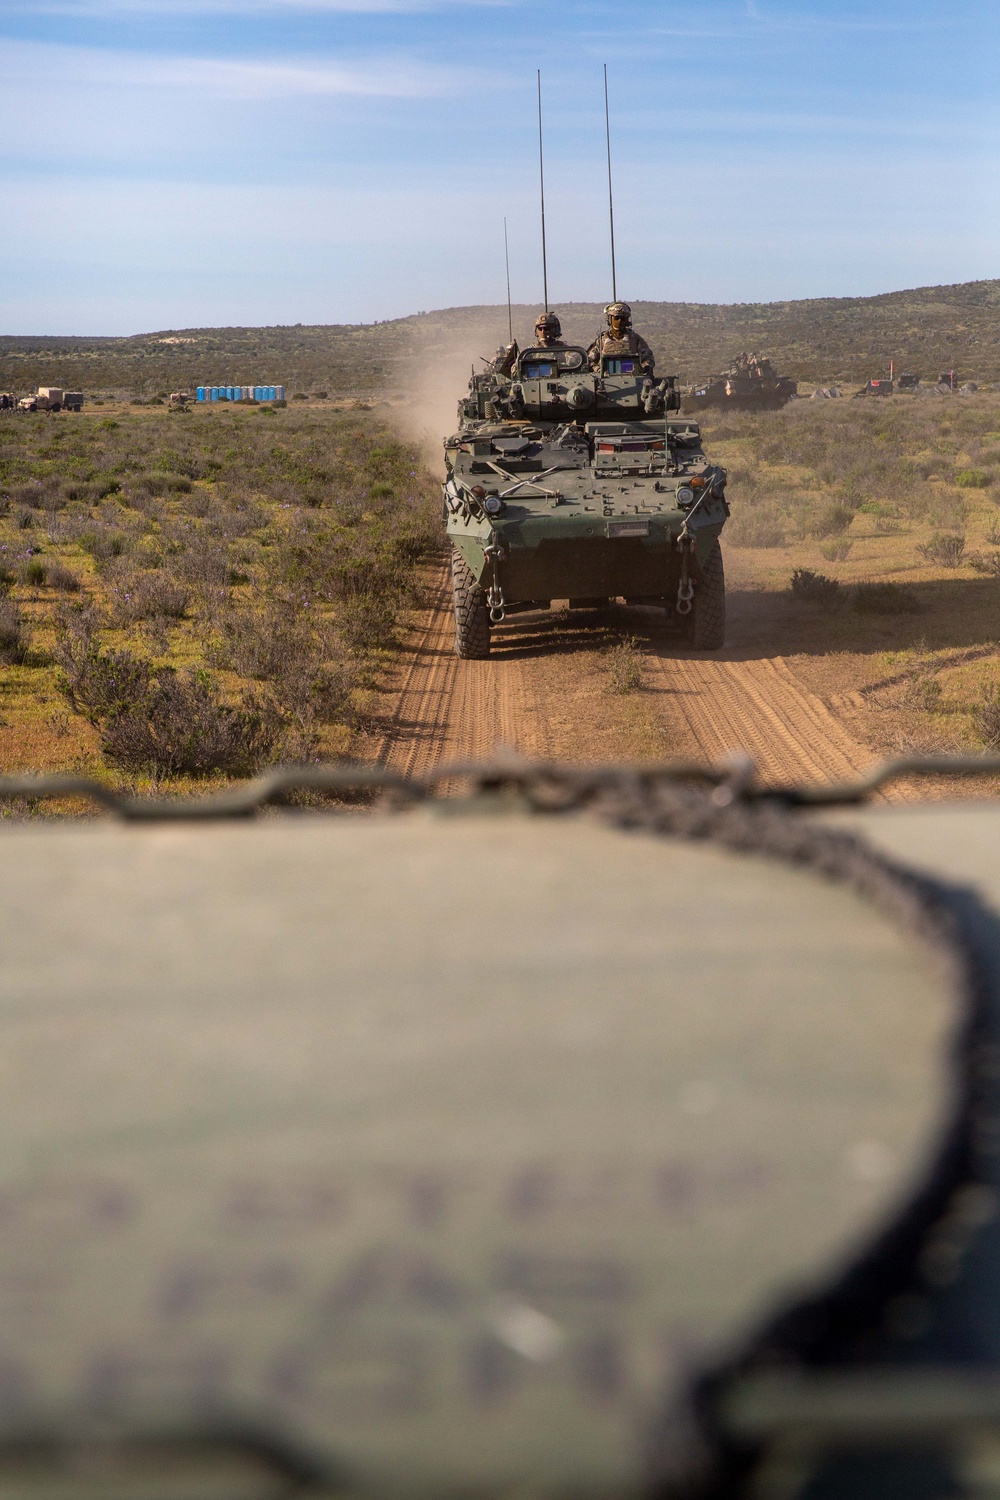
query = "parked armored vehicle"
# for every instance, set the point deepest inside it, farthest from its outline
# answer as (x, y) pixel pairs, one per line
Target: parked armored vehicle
(907, 381)
(603, 1132)
(882, 387)
(569, 483)
(750, 384)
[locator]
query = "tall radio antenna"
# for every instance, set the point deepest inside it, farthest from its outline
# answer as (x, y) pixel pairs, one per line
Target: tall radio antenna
(506, 258)
(541, 184)
(611, 200)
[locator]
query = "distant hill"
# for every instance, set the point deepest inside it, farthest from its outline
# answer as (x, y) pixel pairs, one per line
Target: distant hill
(824, 339)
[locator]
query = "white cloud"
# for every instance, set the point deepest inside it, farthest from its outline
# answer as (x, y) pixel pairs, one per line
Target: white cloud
(52, 65)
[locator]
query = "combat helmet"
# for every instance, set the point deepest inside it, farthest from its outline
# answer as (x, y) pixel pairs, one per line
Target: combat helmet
(548, 323)
(620, 313)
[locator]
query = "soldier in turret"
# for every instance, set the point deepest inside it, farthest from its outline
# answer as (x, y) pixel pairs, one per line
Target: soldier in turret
(504, 360)
(620, 338)
(548, 332)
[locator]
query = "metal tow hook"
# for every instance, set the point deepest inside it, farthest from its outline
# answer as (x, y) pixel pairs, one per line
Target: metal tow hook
(494, 594)
(495, 600)
(685, 588)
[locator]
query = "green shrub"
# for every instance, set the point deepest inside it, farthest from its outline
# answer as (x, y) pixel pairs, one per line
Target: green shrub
(33, 572)
(63, 579)
(985, 562)
(986, 716)
(169, 722)
(946, 548)
(923, 691)
(182, 725)
(884, 599)
(832, 520)
(973, 479)
(625, 665)
(13, 637)
(838, 551)
(159, 483)
(104, 543)
(814, 588)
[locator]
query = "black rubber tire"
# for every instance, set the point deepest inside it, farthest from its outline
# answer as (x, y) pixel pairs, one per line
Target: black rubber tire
(708, 623)
(472, 616)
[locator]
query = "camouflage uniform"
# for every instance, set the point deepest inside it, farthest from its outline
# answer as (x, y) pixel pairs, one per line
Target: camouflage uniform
(548, 332)
(504, 360)
(627, 343)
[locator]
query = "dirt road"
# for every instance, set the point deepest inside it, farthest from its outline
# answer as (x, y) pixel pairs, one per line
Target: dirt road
(545, 691)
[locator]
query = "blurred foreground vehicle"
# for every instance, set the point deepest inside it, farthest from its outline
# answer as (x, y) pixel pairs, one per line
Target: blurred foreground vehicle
(597, 1132)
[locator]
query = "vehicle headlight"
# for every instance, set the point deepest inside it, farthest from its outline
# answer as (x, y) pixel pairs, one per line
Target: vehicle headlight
(685, 494)
(493, 505)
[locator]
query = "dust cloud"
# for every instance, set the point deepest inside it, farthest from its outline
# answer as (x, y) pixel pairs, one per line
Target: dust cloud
(430, 387)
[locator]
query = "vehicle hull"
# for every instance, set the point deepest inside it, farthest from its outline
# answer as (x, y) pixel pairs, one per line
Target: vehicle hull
(575, 565)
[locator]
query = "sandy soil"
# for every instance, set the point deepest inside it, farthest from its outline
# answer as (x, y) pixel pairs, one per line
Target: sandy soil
(545, 692)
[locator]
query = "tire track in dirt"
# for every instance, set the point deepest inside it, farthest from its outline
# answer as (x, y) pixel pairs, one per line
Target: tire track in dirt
(447, 709)
(754, 706)
(715, 705)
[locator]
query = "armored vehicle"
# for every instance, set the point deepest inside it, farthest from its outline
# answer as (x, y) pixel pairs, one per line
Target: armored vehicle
(664, 1164)
(881, 387)
(750, 384)
(573, 484)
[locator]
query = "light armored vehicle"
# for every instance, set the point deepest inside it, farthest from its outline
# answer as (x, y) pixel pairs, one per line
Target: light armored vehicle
(750, 384)
(666, 1167)
(566, 483)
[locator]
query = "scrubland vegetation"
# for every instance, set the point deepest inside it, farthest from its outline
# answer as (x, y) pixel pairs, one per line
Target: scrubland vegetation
(865, 540)
(189, 594)
(823, 339)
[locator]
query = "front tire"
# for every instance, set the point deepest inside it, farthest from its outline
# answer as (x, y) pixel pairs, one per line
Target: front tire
(472, 616)
(708, 625)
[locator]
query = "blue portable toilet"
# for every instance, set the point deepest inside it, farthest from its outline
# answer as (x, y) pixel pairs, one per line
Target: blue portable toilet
(201, 393)
(212, 393)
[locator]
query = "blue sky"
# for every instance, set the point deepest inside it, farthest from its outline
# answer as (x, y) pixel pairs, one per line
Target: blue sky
(179, 163)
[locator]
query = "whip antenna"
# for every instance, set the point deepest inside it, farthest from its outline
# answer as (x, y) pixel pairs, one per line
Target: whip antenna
(611, 200)
(541, 184)
(506, 258)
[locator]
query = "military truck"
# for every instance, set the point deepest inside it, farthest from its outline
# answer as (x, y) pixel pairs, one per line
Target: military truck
(595, 1132)
(580, 485)
(751, 383)
(52, 398)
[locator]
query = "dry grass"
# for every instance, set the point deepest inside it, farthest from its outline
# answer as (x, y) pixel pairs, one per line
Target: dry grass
(907, 647)
(190, 595)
